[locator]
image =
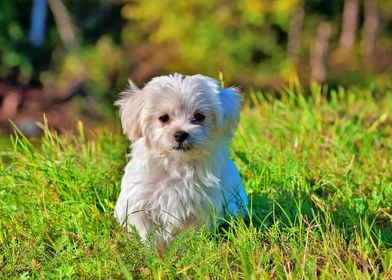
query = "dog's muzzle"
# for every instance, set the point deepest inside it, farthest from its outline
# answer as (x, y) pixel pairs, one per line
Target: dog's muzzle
(181, 142)
(180, 136)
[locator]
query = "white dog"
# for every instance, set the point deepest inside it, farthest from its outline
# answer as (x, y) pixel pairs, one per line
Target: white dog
(180, 175)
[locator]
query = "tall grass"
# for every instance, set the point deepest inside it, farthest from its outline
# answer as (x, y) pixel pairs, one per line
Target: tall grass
(317, 170)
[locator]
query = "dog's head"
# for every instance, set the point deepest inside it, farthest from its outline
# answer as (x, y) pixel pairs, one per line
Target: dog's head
(181, 116)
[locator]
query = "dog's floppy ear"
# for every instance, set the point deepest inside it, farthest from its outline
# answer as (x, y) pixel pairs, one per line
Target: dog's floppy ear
(230, 100)
(131, 104)
(230, 103)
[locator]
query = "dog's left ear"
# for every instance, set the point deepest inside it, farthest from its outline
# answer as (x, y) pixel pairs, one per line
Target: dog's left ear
(230, 100)
(131, 104)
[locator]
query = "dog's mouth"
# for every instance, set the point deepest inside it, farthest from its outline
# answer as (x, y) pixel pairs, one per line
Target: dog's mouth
(182, 147)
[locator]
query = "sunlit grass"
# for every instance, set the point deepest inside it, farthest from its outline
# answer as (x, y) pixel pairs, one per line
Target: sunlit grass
(317, 169)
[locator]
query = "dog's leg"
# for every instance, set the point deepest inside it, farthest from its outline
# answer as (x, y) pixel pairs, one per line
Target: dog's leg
(141, 222)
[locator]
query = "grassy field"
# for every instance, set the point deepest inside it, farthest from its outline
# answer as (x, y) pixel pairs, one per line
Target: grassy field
(317, 169)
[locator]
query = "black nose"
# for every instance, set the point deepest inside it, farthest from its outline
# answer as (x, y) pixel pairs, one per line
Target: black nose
(180, 136)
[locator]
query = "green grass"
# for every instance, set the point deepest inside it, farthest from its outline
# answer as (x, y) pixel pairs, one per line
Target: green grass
(317, 169)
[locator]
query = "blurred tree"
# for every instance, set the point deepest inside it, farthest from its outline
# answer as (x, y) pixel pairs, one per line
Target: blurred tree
(349, 25)
(295, 34)
(64, 24)
(19, 60)
(244, 39)
(370, 30)
(319, 53)
(252, 42)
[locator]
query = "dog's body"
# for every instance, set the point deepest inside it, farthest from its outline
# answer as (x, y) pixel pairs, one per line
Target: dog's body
(180, 175)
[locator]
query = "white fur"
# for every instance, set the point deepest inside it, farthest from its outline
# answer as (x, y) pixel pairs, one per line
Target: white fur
(170, 190)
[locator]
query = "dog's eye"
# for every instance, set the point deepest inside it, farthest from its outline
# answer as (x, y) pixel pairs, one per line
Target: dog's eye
(164, 118)
(198, 117)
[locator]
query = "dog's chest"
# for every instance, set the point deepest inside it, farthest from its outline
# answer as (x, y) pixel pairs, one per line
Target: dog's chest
(176, 200)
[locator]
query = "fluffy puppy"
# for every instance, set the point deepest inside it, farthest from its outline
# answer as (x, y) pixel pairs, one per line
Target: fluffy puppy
(180, 175)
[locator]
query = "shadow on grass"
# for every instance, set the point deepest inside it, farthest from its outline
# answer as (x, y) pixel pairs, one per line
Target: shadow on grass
(290, 209)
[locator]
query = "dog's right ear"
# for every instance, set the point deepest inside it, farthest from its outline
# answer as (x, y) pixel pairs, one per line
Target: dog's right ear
(131, 104)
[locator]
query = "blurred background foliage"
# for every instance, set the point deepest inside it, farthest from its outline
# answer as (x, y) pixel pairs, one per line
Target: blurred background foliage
(91, 47)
